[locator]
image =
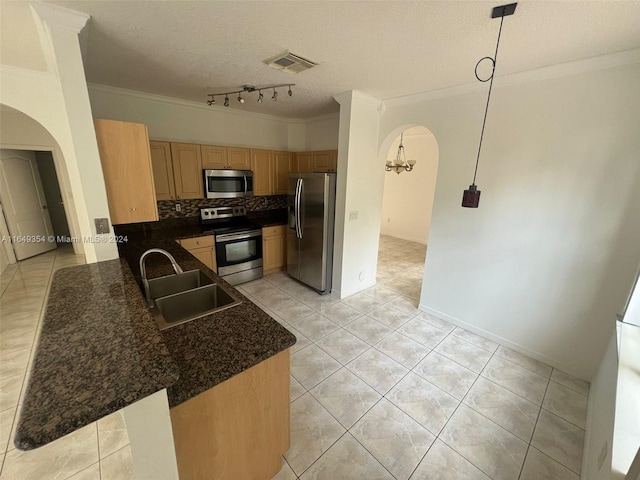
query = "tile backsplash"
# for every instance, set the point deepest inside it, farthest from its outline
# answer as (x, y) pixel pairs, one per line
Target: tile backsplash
(191, 208)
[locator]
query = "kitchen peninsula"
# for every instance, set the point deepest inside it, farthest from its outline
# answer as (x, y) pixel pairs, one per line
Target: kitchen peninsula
(226, 374)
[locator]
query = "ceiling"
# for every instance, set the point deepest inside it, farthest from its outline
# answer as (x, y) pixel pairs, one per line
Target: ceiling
(187, 49)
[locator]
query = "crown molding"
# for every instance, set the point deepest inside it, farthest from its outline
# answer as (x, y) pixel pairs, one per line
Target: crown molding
(66, 18)
(601, 62)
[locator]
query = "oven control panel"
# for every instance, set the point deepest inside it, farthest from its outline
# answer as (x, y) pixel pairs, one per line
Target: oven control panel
(222, 212)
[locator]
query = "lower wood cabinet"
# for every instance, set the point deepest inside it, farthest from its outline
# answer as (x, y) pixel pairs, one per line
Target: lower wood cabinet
(238, 429)
(274, 256)
(203, 249)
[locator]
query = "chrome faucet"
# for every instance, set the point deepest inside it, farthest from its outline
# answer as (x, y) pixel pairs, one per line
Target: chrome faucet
(143, 271)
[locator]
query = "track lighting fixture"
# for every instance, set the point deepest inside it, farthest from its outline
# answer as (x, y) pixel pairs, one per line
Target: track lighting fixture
(250, 89)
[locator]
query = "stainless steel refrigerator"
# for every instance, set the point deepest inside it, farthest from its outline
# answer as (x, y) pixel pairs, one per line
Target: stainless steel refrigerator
(311, 199)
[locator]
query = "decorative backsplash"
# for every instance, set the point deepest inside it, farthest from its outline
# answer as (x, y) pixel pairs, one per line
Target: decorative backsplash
(191, 208)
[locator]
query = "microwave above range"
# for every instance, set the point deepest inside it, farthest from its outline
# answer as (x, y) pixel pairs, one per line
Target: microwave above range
(228, 183)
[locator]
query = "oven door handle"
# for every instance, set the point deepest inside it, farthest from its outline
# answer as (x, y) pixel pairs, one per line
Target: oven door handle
(238, 236)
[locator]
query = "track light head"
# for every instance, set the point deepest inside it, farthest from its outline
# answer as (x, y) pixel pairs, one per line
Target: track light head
(290, 92)
(240, 99)
(274, 97)
(226, 100)
(260, 97)
(212, 101)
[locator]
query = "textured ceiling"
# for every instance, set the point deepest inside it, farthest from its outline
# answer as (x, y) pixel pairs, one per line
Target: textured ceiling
(187, 49)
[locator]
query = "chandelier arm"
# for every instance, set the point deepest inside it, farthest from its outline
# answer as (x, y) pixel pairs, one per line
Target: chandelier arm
(486, 109)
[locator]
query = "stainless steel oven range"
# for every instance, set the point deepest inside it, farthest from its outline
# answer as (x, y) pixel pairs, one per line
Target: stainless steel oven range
(238, 243)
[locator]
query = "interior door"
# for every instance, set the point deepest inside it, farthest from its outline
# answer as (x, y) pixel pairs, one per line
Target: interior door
(25, 207)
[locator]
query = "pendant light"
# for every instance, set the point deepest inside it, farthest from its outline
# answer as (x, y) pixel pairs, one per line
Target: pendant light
(471, 197)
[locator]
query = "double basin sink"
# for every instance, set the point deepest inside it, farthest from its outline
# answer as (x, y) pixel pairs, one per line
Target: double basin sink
(186, 296)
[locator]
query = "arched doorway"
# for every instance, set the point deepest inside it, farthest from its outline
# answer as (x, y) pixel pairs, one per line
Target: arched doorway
(405, 216)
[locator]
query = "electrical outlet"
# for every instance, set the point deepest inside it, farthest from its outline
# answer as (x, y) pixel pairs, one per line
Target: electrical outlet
(102, 226)
(353, 215)
(178, 207)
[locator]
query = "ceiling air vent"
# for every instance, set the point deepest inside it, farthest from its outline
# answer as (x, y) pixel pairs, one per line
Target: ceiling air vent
(290, 62)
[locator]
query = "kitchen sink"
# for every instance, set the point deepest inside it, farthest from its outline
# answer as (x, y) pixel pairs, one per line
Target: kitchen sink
(181, 282)
(186, 296)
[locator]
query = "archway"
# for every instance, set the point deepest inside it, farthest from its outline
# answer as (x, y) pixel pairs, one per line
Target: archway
(406, 213)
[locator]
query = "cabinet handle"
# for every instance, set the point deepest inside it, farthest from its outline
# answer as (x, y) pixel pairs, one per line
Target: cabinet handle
(133, 209)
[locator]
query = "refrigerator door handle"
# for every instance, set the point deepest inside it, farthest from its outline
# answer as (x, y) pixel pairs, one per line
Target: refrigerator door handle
(297, 208)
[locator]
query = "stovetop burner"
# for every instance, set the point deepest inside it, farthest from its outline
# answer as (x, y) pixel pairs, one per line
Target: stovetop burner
(226, 220)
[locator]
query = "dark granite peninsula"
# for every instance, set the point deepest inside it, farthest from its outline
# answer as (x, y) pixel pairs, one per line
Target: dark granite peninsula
(100, 350)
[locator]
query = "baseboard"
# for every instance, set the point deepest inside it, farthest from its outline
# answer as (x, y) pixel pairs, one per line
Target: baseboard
(352, 291)
(502, 341)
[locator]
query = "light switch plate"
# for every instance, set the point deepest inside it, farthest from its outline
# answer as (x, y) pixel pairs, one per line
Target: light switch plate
(102, 226)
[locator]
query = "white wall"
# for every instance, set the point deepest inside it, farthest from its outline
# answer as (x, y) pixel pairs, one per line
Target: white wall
(545, 263)
(408, 197)
(183, 121)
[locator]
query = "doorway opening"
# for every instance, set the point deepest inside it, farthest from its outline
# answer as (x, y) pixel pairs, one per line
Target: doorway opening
(405, 220)
(33, 216)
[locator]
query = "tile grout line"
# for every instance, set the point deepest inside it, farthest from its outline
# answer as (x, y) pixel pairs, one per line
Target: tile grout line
(534, 430)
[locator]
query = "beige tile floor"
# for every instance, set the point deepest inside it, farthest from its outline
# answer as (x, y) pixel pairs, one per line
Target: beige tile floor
(380, 390)
(99, 450)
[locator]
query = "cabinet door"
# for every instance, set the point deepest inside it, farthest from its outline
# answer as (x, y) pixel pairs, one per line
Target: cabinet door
(162, 170)
(187, 170)
(206, 255)
(304, 162)
(273, 253)
(239, 158)
(333, 161)
(321, 161)
(282, 165)
(213, 158)
(262, 166)
(126, 166)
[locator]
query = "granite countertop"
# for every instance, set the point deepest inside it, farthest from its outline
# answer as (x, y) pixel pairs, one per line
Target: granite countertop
(269, 218)
(99, 350)
(214, 348)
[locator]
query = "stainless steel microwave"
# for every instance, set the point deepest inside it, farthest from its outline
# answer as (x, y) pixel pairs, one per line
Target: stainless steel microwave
(228, 183)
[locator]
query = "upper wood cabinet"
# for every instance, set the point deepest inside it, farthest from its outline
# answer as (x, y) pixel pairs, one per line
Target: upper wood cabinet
(162, 170)
(239, 158)
(187, 170)
(325, 161)
(213, 157)
(304, 162)
(282, 165)
(262, 166)
(126, 166)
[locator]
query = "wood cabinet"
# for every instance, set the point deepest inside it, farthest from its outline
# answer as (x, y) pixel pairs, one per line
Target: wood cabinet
(238, 429)
(304, 162)
(187, 170)
(274, 256)
(239, 158)
(162, 170)
(262, 166)
(213, 157)
(282, 165)
(325, 161)
(203, 248)
(128, 176)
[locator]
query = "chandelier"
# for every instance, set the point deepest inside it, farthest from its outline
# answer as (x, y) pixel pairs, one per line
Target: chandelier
(471, 197)
(400, 163)
(250, 89)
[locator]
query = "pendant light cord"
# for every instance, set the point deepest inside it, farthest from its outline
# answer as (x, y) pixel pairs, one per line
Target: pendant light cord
(486, 109)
